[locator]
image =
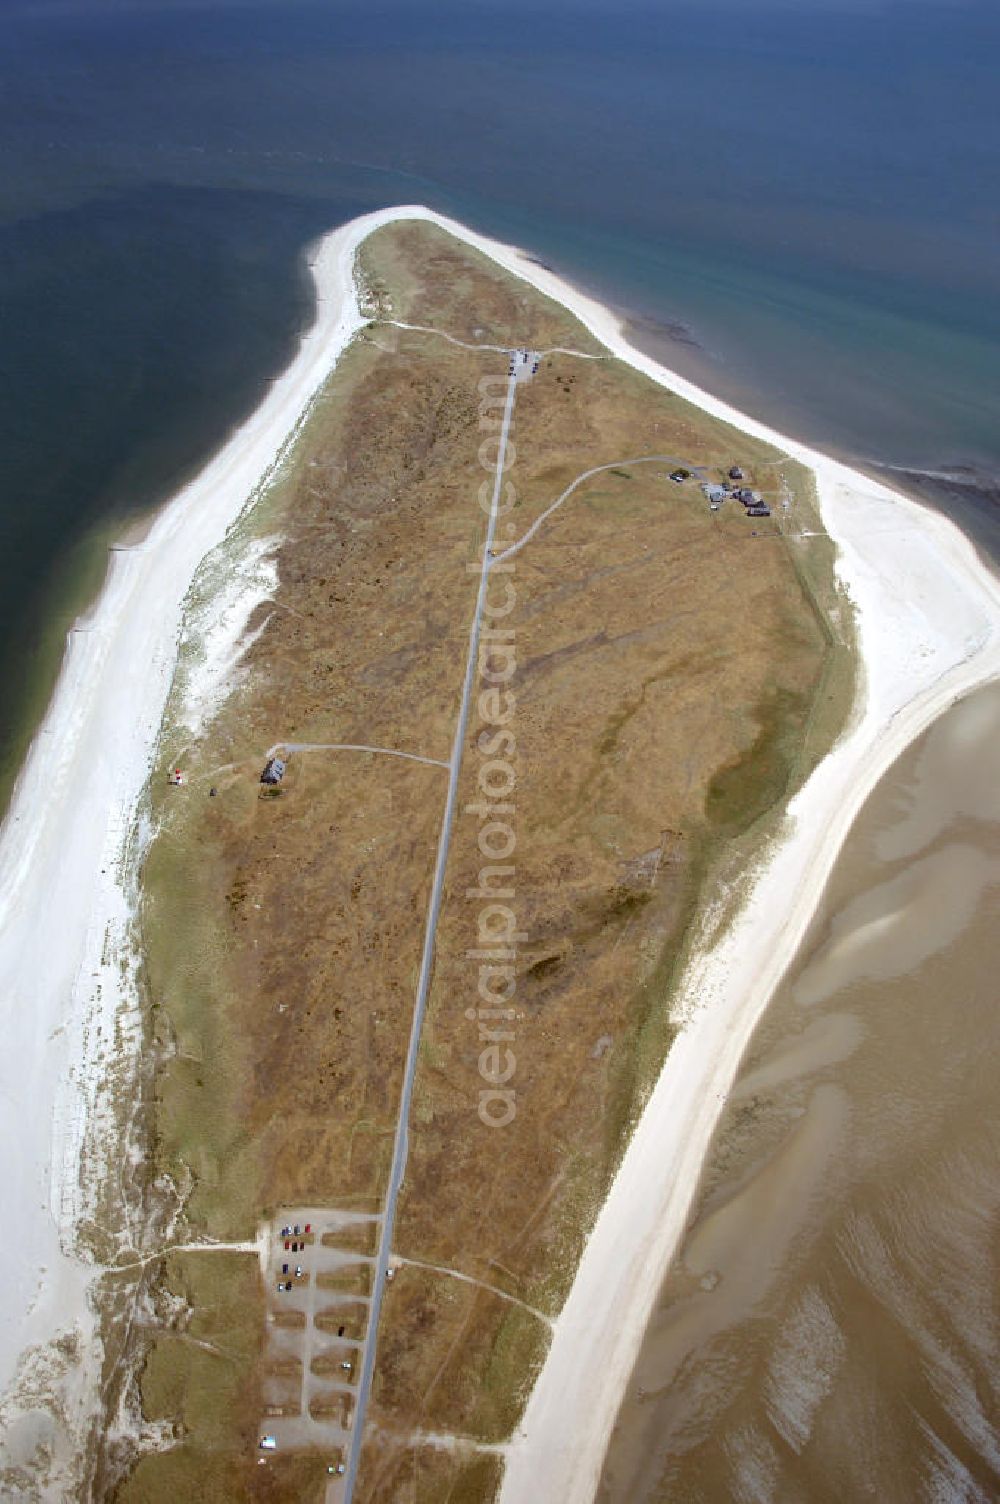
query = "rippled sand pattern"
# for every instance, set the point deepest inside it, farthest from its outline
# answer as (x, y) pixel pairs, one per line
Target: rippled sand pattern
(830, 1330)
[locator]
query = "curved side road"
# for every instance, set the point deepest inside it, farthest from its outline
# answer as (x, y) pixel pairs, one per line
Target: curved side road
(464, 344)
(642, 459)
(432, 762)
(401, 1142)
(480, 1284)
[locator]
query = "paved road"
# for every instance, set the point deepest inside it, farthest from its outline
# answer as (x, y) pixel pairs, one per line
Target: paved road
(401, 1142)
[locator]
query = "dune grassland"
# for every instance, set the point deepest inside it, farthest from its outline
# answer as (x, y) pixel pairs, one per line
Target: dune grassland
(669, 676)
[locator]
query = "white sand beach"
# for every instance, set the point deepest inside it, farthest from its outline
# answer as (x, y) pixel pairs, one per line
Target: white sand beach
(928, 616)
(65, 906)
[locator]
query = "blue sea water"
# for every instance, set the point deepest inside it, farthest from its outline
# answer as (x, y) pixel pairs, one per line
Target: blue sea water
(795, 199)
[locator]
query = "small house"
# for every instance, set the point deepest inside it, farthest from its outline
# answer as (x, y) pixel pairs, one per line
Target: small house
(735, 473)
(274, 770)
(715, 494)
(759, 509)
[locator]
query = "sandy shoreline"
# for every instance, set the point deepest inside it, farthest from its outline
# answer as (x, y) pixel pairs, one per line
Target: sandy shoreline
(65, 906)
(929, 630)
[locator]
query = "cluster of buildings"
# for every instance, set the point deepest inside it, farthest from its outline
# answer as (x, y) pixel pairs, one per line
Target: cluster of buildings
(753, 501)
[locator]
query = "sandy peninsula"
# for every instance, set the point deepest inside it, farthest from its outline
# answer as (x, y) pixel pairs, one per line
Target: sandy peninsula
(928, 622)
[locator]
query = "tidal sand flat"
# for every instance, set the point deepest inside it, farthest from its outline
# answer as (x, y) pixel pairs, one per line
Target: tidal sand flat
(927, 616)
(828, 1328)
(685, 671)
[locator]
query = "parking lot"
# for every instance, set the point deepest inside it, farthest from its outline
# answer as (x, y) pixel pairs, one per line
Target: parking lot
(318, 1299)
(523, 364)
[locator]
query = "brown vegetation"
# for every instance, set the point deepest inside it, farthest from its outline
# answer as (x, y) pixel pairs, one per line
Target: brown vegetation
(675, 674)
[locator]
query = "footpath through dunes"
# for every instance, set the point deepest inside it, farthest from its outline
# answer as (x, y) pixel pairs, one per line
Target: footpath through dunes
(653, 680)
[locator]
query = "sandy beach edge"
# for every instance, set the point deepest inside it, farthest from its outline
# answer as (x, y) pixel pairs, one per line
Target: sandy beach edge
(928, 616)
(68, 854)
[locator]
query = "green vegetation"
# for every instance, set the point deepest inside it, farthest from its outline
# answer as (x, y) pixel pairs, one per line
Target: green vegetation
(199, 1377)
(201, 1140)
(742, 793)
(516, 1354)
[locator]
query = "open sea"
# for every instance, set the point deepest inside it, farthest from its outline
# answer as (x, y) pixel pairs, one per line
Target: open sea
(795, 200)
(795, 203)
